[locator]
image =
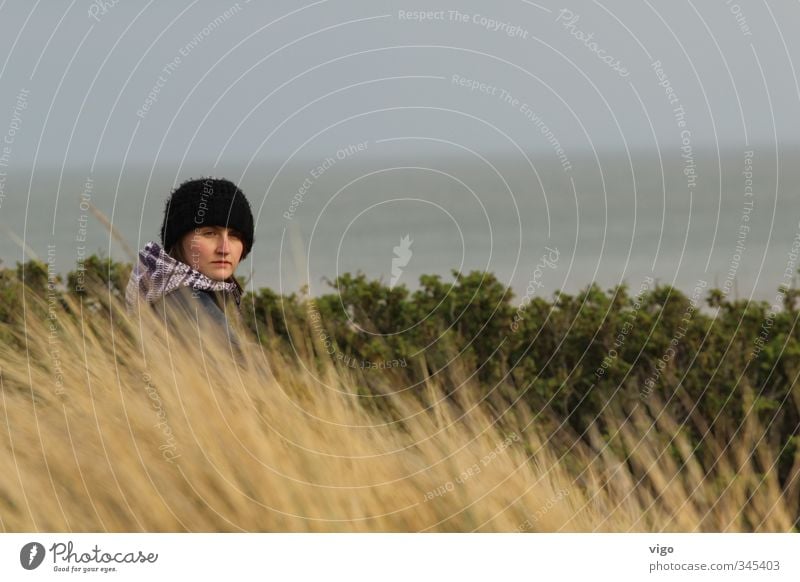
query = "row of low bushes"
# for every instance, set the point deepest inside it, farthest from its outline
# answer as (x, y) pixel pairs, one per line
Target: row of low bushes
(715, 362)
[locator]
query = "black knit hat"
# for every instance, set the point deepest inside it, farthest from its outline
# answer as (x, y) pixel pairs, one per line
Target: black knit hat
(206, 202)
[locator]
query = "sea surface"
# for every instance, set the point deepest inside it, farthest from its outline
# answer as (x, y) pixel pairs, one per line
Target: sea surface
(727, 219)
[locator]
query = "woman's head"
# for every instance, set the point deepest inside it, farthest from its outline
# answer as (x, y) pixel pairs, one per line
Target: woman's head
(208, 222)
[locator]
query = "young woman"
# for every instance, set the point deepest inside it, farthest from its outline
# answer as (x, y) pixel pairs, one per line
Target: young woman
(207, 231)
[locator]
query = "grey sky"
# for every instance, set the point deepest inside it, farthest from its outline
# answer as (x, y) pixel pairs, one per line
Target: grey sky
(260, 64)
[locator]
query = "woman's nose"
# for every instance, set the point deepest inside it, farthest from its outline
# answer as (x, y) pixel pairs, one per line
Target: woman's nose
(225, 243)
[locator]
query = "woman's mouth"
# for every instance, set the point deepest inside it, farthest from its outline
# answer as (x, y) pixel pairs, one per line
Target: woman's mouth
(221, 262)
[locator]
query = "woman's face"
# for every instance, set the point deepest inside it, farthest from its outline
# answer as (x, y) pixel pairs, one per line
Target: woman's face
(215, 251)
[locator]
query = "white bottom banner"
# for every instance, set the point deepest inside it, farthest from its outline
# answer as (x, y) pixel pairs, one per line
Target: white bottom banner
(400, 557)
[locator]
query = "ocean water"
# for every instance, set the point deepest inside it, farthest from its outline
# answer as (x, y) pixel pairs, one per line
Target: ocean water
(538, 228)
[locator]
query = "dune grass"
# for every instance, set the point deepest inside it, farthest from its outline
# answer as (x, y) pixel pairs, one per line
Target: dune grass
(113, 422)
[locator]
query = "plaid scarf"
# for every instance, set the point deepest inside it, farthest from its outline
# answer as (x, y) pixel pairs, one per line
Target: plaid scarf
(157, 274)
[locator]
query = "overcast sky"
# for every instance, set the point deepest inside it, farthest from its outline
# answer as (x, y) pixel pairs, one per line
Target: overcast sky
(249, 80)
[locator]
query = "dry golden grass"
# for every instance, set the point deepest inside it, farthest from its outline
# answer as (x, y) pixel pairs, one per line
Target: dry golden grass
(171, 434)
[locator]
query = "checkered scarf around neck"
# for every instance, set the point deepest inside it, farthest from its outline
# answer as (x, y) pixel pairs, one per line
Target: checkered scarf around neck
(158, 274)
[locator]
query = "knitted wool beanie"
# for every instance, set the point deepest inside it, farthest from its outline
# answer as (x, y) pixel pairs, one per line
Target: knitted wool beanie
(207, 202)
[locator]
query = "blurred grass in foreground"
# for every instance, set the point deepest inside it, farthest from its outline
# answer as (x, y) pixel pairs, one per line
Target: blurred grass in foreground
(116, 423)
